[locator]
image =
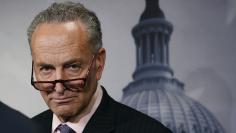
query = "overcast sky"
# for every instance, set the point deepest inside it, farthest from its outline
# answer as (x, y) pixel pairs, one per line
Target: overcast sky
(202, 50)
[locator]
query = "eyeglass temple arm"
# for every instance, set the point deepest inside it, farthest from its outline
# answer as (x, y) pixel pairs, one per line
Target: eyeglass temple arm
(32, 69)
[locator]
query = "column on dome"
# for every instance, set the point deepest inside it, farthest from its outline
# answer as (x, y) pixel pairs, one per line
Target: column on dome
(144, 47)
(160, 44)
(141, 61)
(148, 48)
(165, 49)
(152, 48)
(162, 49)
(137, 52)
(156, 47)
(139, 48)
(167, 53)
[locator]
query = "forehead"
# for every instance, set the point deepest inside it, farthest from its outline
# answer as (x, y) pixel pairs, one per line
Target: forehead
(56, 37)
(54, 33)
(60, 39)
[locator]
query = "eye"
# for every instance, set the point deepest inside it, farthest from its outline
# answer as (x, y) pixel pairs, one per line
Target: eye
(74, 67)
(46, 69)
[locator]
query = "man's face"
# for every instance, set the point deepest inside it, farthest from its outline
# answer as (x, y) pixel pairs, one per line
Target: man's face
(61, 51)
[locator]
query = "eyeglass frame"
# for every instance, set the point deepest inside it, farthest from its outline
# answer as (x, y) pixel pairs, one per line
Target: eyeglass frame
(54, 82)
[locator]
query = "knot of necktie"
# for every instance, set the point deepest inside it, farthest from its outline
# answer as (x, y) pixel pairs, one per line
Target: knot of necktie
(63, 128)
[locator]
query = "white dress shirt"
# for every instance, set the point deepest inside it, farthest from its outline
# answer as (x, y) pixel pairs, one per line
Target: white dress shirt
(89, 111)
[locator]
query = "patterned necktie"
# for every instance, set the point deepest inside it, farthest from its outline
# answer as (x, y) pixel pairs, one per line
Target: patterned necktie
(65, 129)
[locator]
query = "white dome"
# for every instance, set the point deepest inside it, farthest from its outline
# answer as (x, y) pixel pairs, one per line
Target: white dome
(164, 100)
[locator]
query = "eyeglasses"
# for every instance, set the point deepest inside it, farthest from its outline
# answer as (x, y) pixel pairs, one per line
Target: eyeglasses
(70, 84)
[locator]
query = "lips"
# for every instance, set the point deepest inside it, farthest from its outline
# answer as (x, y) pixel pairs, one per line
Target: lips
(62, 100)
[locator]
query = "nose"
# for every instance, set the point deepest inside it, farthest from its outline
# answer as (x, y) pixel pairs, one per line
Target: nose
(59, 87)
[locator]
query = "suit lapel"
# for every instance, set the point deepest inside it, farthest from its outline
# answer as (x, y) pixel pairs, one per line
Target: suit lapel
(102, 120)
(44, 120)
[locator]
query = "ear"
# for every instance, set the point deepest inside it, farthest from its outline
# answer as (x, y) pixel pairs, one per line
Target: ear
(100, 62)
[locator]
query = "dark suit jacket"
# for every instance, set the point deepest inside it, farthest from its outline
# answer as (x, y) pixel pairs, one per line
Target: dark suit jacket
(12, 121)
(111, 117)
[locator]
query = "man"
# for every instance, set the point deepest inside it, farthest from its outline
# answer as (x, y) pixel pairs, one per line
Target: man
(67, 63)
(13, 121)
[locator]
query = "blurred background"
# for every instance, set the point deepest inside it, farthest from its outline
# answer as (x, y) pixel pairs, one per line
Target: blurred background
(202, 50)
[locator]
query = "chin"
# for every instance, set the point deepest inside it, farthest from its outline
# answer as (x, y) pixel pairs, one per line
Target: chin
(63, 109)
(66, 112)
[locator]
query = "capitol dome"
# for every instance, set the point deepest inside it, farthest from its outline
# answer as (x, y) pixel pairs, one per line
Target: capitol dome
(164, 100)
(154, 90)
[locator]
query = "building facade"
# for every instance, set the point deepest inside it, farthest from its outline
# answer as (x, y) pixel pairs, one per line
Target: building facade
(154, 90)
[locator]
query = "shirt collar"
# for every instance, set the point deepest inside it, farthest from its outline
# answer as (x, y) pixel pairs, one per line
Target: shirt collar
(89, 111)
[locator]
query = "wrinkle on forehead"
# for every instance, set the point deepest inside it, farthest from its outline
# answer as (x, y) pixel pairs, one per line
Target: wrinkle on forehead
(57, 49)
(58, 37)
(58, 55)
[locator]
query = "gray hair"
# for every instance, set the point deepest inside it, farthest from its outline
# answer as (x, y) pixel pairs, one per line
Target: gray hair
(69, 11)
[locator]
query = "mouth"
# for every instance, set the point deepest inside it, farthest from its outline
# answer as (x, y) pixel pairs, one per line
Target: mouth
(62, 100)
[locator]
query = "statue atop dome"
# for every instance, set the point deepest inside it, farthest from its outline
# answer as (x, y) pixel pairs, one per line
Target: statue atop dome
(152, 10)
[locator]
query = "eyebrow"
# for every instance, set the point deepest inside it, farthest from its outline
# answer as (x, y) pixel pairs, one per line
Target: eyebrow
(71, 61)
(44, 64)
